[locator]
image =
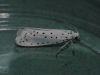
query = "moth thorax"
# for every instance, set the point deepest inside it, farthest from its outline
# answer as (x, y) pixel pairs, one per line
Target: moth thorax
(76, 34)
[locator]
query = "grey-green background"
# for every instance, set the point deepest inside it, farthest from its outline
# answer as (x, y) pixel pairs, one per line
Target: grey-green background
(83, 14)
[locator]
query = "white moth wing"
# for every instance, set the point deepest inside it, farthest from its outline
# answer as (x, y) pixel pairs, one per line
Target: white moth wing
(40, 37)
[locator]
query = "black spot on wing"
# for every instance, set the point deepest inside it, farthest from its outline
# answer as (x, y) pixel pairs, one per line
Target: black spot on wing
(56, 42)
(37, 32)
(26, 33)
(43, 33)
(24, 36)
(51, 37)
(26, 39)
(42, 43)
(63, 40)
(71, 32)
(51, 33)
(34, 35)
(62, 34)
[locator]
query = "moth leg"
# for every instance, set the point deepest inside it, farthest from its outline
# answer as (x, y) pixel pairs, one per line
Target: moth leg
(61, 49)
(72, 47)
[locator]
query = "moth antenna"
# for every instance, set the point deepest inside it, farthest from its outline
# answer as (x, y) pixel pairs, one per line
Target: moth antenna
(75, 28)
(71, 25)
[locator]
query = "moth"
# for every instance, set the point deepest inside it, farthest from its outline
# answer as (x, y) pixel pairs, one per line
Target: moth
(31, 37)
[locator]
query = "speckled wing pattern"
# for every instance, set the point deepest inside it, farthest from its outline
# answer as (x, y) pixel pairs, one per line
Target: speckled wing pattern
(39, 37)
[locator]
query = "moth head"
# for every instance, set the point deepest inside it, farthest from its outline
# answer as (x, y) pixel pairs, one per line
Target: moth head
(77, 37)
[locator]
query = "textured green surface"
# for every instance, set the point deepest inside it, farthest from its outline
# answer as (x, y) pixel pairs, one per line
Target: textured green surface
(83, 14)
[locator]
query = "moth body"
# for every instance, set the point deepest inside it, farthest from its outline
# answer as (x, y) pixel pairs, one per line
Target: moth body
(41, 37)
